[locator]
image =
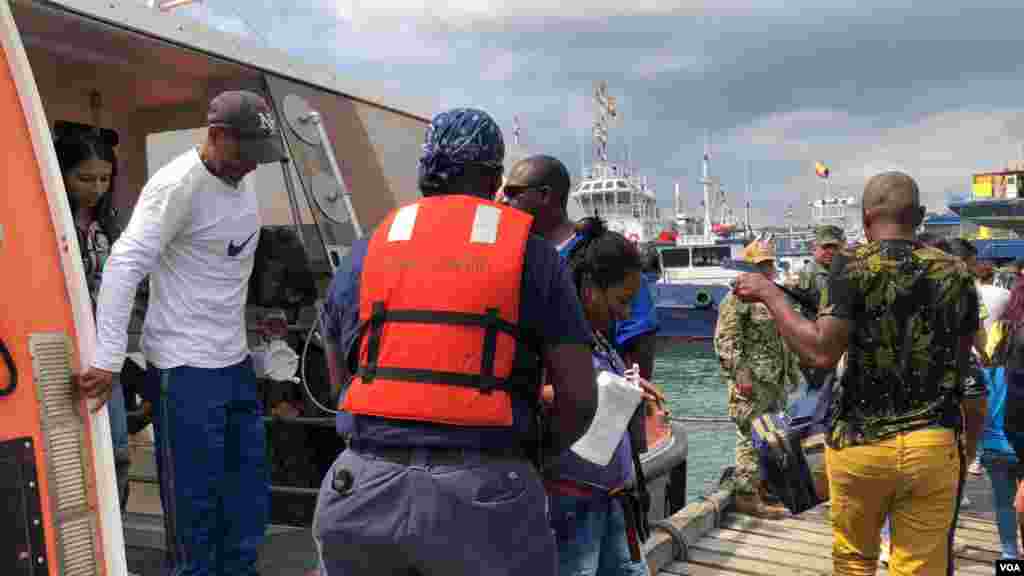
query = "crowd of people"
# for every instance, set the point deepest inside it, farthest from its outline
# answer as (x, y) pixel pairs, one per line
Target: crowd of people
(465, 334)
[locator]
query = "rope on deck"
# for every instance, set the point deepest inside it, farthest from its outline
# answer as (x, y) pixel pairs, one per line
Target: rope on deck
(681, 548)
(701, 419)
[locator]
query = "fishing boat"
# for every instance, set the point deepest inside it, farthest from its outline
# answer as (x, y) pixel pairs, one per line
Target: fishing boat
(612, 191)
(692, 282)
(149, 76)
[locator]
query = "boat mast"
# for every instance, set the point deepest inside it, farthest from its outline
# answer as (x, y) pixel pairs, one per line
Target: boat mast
(706, 183)
(601, 122)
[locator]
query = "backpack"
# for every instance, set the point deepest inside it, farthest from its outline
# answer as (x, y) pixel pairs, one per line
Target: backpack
(791, 449)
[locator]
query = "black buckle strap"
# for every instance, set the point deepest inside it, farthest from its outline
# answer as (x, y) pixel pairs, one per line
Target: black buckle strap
(369, 371)
(486, 382)
(436, 377)
(485, 320)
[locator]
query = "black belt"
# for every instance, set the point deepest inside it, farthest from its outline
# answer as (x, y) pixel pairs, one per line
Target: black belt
(439, 456)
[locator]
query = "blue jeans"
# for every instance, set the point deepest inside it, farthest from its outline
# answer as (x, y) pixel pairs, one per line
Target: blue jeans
(1002, 473)
(591, 534)
(118, 416)
(211, 456)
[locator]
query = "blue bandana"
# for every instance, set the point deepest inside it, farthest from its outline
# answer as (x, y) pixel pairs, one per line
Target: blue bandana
(459, 137)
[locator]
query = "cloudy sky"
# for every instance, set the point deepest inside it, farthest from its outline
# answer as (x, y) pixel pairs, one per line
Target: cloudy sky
(933, 88)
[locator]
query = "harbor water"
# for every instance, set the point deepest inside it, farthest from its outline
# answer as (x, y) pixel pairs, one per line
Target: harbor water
(688, 375)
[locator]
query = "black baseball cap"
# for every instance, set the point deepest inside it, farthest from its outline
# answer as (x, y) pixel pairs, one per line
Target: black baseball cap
(249, 115)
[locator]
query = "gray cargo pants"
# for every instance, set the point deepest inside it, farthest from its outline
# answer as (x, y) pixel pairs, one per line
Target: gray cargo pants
(483, 515)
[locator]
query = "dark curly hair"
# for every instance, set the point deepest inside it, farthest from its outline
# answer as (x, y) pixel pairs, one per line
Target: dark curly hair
(602, 257)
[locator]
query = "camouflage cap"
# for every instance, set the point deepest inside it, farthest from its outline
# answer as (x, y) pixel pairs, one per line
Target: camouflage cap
(829, 234)
(759, 251)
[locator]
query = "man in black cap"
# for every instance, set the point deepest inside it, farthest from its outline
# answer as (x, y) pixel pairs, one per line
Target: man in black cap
(194, 232)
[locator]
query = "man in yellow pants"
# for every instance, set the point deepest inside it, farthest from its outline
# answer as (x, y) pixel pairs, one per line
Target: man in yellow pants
(907, 314)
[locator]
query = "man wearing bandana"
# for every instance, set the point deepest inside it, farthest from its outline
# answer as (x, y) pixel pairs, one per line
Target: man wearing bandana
(438, 327)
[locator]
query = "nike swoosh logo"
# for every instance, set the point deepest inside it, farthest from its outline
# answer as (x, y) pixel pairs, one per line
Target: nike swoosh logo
(234, 250)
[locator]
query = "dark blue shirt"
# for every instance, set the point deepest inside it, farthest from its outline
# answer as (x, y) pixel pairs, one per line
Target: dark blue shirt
(548, 309)
(643, 318)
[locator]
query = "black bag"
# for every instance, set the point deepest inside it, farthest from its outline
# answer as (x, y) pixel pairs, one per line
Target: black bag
(791, 450)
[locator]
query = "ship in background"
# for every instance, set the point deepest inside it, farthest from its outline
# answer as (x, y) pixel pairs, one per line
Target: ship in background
(996, 201)
(692, 282)
(614, 192)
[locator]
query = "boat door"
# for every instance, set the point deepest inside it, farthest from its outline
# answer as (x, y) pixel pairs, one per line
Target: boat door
(56, 459)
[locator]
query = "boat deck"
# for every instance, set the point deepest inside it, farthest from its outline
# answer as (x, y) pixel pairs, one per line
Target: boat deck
(741, 545)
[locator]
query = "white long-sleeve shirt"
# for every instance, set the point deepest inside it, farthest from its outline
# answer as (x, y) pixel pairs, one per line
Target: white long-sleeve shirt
(196, 236)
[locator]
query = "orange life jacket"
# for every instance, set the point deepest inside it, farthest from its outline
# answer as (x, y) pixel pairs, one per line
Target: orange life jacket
(439, 312)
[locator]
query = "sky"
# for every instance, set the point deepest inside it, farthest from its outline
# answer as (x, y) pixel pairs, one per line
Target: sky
(931, 88)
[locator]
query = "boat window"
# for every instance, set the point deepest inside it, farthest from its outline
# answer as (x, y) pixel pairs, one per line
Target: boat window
(675, 258)
(710, 256)
(623, 184)
(585, 187)
(624, 198)
(610, 184)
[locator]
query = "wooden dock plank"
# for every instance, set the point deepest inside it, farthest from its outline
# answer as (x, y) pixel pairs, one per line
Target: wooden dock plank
(791, 557)
(801, 545)
(971, 531)
(730, 563)
(687, 569)
(766, 542)
(770, 528)
(744, 538)
(966, 521)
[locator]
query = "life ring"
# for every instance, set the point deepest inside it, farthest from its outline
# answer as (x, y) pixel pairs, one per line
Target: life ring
(703, 299)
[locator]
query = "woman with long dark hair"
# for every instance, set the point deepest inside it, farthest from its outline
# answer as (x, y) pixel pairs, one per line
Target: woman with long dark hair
(587, 511)
(88, 163)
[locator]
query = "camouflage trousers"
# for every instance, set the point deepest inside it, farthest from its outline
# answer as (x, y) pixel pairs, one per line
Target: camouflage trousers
(746, 476)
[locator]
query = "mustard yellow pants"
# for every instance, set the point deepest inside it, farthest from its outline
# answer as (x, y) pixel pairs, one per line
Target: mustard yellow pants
(912, 477)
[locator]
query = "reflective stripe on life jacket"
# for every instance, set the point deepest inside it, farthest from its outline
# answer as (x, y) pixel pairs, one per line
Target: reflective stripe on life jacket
(438, 311)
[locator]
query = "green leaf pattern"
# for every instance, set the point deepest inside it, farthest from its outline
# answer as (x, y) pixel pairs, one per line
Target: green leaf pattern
(879, 272)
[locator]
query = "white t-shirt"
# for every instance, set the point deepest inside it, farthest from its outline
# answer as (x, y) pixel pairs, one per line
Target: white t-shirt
(196, 236)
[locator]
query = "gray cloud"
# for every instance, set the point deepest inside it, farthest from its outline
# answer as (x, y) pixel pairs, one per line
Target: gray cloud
(929, 85)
